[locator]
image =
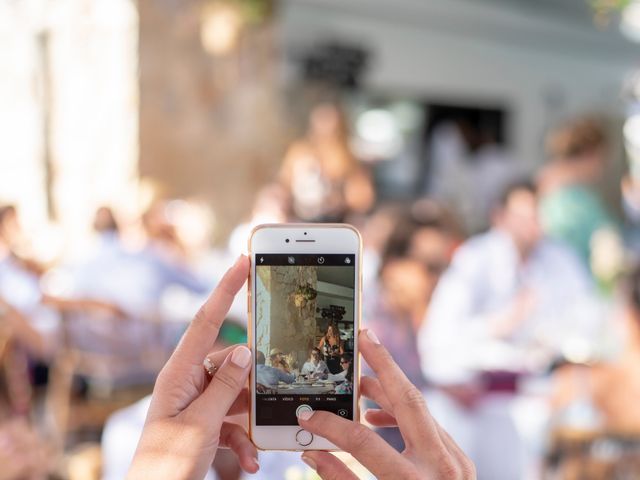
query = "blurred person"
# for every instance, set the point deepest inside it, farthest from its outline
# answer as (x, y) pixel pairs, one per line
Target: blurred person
(20, 288)
(16, 327)
(161, 232)
(188, 419)
(395, 223)
(165, 250)
(10, 230)
(611, 385)
(132, 282)
(315, 367)
(506, 291)
(15, 241)
(332, 346)
(323, 179)
(97, 275)
(630, 188)
(375, 235)
(418, 252)
(415, 256)
(136, 280)
(468, 169)
(34, 317)
(268, 375)
(571, 210)
(19, 341)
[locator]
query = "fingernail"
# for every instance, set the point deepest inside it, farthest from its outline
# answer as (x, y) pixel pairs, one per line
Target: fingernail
(373, 337)
(306, 414)
(241, 356)
(309, 461)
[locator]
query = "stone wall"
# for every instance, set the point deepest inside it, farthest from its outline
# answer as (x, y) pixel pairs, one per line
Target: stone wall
(212, 127)
(292, 329)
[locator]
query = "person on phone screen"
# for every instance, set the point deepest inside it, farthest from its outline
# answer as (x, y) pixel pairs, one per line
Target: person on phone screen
(332, 347)
(270, 376)
(315, 367)
(277, 361)
(346, 359)
(189, 416)
(346, 387)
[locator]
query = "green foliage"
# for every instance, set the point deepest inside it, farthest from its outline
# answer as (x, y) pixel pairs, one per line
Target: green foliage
(609, 6)
(252, 11)
(307, 291)
(603, 10)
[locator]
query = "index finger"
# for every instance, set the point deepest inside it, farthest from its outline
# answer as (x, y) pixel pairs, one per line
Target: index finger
(407, 403)
(202, 333)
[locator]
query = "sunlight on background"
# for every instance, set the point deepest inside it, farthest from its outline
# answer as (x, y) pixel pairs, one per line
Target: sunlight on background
(68, 87)
(196, 120)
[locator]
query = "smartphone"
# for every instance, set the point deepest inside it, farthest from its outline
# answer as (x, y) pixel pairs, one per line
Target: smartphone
(304, 317)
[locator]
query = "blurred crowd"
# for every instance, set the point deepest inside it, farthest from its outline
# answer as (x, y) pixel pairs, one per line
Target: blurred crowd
(518, 318)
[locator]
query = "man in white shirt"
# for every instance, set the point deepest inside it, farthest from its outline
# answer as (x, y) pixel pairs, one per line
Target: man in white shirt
(506, 291)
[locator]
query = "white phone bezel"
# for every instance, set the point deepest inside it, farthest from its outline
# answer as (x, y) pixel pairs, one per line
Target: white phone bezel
(328, 238)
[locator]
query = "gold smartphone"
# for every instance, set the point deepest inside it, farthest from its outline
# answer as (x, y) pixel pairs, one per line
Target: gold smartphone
(304, 316)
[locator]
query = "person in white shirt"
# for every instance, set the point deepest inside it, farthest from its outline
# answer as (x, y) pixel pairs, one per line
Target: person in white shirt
(315, 367)
(505, 291)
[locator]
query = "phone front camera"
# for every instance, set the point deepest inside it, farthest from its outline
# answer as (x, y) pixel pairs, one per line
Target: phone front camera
(287, 240)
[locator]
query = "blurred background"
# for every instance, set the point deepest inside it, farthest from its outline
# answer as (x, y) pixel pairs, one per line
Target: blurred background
(488, 150)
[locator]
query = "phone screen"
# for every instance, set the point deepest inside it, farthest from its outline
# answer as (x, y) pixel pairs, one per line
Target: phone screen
(304, 335)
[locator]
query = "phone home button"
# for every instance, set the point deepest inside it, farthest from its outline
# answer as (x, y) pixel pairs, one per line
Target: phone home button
(304, 438)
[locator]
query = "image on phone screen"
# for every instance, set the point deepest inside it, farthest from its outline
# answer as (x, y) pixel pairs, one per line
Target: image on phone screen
(304, 335)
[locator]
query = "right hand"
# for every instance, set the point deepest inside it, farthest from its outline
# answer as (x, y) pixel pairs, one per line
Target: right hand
(430, 452)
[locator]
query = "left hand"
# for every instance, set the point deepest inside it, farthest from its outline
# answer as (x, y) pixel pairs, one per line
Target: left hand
(186, 423)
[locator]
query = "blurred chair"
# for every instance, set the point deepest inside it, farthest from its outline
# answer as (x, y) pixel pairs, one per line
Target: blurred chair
(592, 455)
(117, 358)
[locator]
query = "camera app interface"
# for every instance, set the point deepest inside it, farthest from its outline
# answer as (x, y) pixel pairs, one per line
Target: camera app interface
(304, 308)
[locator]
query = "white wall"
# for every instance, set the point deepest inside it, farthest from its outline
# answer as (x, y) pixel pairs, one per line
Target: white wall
(542, 69)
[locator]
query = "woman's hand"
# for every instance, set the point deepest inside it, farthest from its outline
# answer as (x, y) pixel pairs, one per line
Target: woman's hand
(430, 452)
(186, 424)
